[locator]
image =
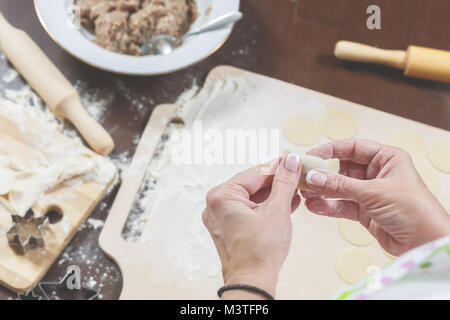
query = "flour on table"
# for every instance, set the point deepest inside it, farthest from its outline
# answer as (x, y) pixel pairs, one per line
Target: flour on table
(39, 157)
(179, 246)
(10, 76)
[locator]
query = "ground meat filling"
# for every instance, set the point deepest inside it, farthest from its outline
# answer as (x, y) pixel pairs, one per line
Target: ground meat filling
(124, 25)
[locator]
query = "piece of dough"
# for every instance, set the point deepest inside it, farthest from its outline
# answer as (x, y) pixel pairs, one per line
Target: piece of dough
(412, 143)
(439, 156)
(302, 131)
(354, 233)
(430, 177)
(35, 158)
(338, 125)
(310, 162)
(352, 264)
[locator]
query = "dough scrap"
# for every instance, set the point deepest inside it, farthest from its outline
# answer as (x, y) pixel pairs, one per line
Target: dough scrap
(338, 125)
(354, 233)
(302, 131)
(412, 143)
(439, 156)
(352, 264)
(430, 177)
(35, 158)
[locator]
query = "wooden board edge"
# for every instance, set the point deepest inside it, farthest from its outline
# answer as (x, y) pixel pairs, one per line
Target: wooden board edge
(110, 239)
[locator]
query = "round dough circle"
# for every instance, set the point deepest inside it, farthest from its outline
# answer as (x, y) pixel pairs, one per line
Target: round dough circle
(354, 233)
(302, 131)
(439, 156)
(352, 264)
(338, 125)
(412, 143)
(430, 178)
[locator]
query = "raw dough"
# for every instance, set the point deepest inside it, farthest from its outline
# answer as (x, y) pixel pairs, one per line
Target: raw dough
(430, 177)
(309, 163)
(352, 264)
(35, 158)
(124, 25)
(354, 233)
(338, 125)
(302, 131)
(439, 155)
(412, 143)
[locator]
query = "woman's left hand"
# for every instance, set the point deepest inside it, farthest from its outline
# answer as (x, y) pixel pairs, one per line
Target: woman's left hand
(249, 220)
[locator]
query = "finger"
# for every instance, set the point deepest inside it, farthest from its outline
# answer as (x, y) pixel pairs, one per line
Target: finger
(359, 151)
(285, 181)
(353, 170)
(334, 208)
(256, 178)
(261, 195)
(333, 185)
(312, 194)
(295, 202)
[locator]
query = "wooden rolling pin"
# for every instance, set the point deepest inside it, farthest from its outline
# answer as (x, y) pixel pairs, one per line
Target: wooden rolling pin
(53, 87)
(418, 62)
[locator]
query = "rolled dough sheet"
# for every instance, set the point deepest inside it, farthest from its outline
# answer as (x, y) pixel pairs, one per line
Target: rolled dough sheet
(302, 131)
(352, 264)
(412, 143)
(430, 177)
(338, 125)
(35, 158)
(354, 233)
(439, 155)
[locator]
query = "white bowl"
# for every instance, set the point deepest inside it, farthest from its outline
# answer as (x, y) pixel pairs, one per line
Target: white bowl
(55, 17)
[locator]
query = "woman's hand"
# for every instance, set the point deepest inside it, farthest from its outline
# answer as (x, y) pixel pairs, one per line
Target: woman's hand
(379, 187)
(249, 220)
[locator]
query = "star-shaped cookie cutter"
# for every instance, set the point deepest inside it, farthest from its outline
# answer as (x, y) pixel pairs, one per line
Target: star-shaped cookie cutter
(27, 232)
(62, 290)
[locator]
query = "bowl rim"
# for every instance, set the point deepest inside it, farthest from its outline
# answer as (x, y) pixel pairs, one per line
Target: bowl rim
(141, 74)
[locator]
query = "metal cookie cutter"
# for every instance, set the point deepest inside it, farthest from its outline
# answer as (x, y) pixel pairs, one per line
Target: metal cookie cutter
(26, 233)
(63, 290)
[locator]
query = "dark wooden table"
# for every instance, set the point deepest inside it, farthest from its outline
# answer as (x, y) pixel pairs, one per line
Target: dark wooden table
(291, 40)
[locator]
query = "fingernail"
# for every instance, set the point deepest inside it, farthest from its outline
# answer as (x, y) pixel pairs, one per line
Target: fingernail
(292, 162)
(316, 178)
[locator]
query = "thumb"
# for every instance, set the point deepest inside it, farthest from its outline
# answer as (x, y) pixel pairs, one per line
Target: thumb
(285, 181)
(333, 185)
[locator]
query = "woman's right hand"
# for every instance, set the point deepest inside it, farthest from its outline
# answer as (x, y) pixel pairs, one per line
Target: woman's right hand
(378, 186)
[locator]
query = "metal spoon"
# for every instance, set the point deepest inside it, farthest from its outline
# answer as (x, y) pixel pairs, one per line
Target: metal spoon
(165, 44)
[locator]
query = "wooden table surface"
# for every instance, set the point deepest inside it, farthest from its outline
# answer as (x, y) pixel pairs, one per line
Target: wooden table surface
(291, 40)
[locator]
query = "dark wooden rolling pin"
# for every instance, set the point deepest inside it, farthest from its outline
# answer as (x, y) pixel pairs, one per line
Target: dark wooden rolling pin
(52, 86)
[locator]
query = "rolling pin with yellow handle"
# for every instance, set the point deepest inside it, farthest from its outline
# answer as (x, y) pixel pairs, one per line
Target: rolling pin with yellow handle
(53, 87)
(418, 62)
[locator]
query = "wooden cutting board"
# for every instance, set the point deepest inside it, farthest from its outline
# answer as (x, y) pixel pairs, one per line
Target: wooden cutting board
(75, 203)
(309, 269)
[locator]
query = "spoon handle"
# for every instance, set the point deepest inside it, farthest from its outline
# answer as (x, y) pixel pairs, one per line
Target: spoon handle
(218, 23)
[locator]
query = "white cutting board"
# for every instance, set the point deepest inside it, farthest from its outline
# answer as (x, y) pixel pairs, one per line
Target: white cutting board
(157, 269)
